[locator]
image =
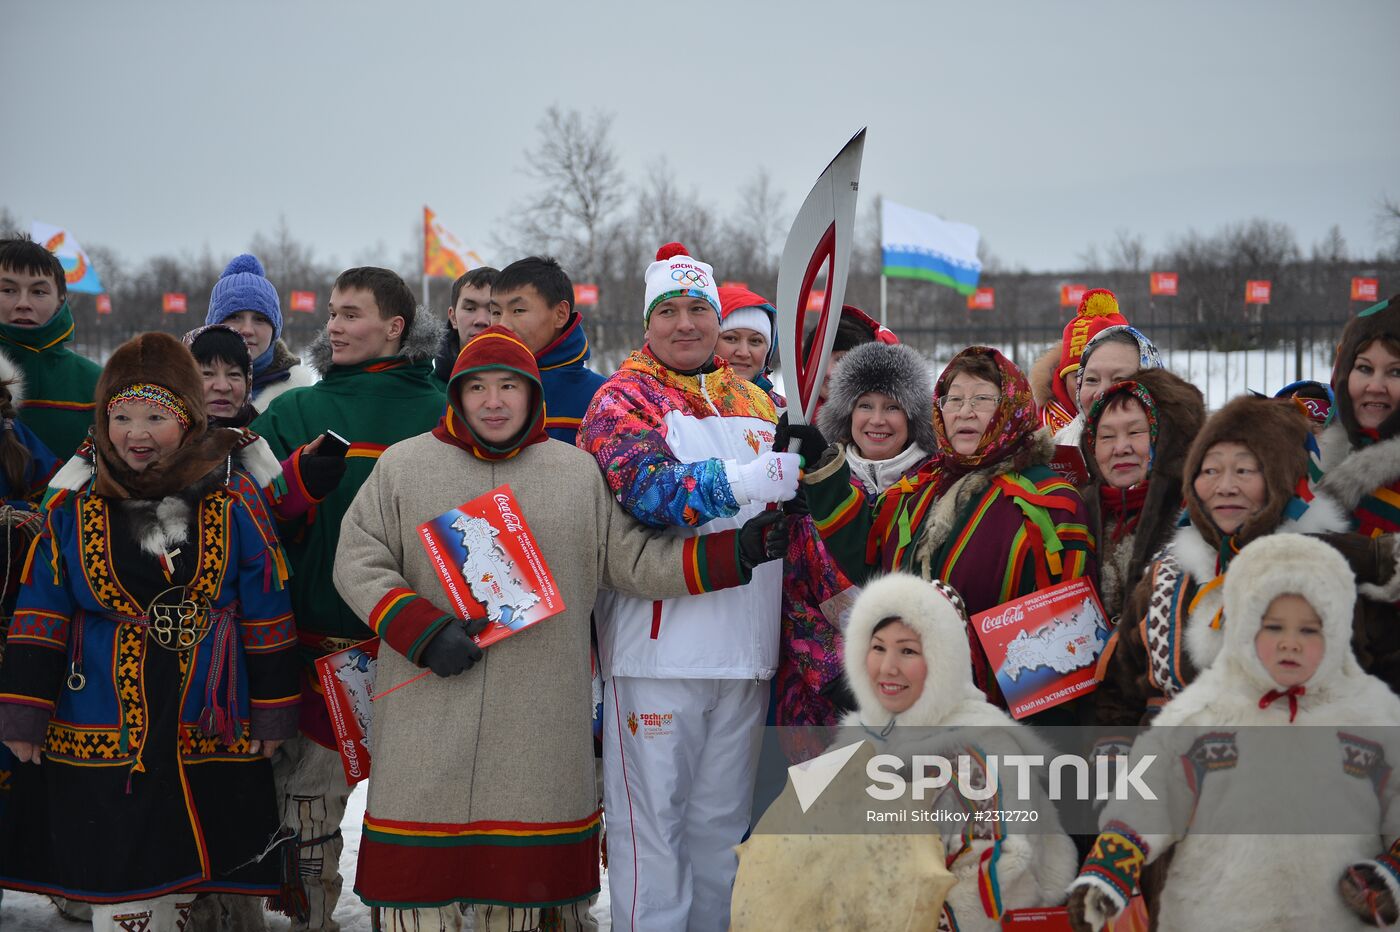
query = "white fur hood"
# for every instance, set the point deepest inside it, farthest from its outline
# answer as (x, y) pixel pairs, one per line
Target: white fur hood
(1349, 475)
(1340, 692)
(949, 697)
(13, 377)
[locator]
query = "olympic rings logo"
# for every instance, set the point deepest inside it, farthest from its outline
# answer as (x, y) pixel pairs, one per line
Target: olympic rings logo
(775, 470)
(690, 277)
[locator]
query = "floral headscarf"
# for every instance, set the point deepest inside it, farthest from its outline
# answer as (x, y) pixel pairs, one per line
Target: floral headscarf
(1144, 398)
(1149, 357)
(1008, 432)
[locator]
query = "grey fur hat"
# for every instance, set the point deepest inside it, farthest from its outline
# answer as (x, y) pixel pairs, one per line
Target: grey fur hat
(894, 370)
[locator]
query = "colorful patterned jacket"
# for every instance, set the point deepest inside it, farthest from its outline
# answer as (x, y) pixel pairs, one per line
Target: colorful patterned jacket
(997, 533)
(661, 439)
(75, 616)
(810, 658)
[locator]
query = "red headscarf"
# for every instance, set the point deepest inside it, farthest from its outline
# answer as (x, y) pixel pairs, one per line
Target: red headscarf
(1008, 432)
(493, 348)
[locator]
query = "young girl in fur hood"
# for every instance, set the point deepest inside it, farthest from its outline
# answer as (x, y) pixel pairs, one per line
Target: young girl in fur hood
(907, 661)
(1284, 661)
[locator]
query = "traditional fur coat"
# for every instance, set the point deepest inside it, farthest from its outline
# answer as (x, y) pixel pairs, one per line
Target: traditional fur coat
(952, 717)
(1253, 778)
(1176, 412)
(1169, 629)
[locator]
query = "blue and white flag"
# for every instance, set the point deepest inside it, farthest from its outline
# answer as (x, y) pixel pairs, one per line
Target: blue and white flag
(927, 247)
(77, 269)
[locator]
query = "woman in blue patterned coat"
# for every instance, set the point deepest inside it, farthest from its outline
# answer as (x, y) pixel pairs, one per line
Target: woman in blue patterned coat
(150, 665)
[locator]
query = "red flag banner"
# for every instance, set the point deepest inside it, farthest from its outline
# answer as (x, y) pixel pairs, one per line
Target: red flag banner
(443, 253)
(304, 301)
(1365, 289)
(1164, 283)
(104, 304)
(586, 294)
(173, 302)
(1257, 292)
(983, 299)
(1071, 295)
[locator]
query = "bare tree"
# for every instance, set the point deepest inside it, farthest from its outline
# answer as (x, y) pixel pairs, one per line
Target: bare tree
(761, 215)
(1127, 252)
(664, 213)
(288, 261)
(1089, 259)
(1332, 248)
(582, 189)
(9, 223)
(1388, 226)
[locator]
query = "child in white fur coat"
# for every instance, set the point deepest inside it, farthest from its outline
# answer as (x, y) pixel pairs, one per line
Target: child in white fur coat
(1285, 660)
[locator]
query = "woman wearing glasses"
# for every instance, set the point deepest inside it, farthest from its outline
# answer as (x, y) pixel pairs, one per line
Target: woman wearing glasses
(988, 516)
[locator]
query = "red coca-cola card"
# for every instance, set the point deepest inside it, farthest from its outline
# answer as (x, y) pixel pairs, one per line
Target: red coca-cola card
(1069, 462)
(347, 680)
(1044, 646)
(490, 565)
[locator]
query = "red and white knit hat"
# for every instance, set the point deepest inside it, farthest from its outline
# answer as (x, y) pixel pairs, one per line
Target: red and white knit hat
(675, 274)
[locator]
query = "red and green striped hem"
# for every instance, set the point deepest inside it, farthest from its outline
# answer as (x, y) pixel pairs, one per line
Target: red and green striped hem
(521, 864)
(407, 621)
(712, 562)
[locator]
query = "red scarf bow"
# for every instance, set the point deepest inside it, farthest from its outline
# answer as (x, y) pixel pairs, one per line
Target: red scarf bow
(1291, 693)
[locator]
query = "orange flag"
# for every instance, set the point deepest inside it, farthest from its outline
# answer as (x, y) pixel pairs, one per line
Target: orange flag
(443, 253)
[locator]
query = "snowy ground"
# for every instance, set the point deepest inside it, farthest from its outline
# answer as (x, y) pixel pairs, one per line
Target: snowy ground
(25, 912)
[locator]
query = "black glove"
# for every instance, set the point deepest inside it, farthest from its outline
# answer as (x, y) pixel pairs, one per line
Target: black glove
(763, 537)
(320, 474)
(797, 507)
(810, 442)
(452, 650)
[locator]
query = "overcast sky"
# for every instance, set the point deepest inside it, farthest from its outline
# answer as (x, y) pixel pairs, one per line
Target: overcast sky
(165, 126)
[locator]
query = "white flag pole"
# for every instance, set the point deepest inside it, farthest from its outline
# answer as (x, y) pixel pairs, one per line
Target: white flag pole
(880, 216)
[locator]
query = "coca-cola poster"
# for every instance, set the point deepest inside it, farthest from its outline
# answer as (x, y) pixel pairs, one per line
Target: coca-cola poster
(1044, 646)
(490, 564)
(347, 680)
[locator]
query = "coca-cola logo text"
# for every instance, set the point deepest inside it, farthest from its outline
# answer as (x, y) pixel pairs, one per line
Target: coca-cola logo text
(1013, 615)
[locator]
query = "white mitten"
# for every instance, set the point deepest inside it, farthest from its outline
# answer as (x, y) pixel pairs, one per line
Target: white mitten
(770, 478)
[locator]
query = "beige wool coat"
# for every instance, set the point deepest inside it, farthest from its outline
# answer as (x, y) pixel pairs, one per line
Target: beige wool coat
(508, 741)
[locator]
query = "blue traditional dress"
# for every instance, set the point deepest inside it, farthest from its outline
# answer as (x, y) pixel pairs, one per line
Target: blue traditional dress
(148, 783)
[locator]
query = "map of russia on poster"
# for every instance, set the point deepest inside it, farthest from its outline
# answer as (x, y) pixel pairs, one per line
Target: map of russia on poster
(347, 680)
(490, 564)
(1044, 646)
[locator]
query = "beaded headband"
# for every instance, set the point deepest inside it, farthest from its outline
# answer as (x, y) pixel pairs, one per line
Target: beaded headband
(151, 394)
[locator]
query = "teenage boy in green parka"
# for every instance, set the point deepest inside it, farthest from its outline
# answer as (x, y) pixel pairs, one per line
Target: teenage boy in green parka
(36, 325)
(375, 358)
